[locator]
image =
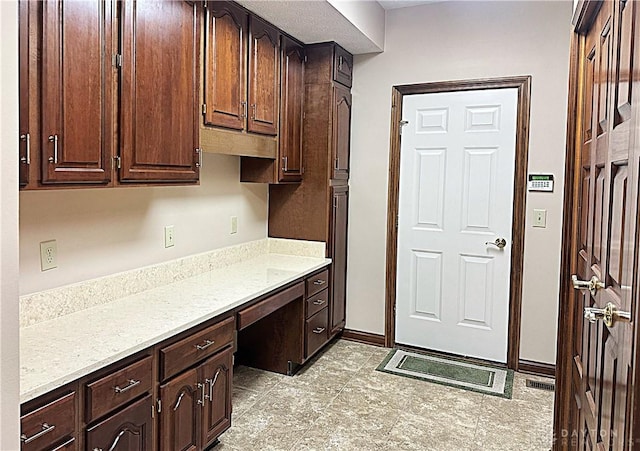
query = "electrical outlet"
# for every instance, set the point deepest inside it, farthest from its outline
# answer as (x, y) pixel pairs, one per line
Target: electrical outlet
(48, 255)
(169, 236)
(539, 218)
(234, 224)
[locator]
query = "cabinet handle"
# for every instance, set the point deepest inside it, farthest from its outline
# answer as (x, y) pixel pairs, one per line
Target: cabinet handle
(336, 164)
(318, 330)
(211, 383)
(27, 139)
(243, 105)
(54, 140)
(340, 63)
(178, 401)
(318, 302)
(199, 162)
(319, 282)
(202, 396)
(132, 383)
(204, 346)
(115, 442)
(285, 168)
(253, 111)
(46, 428)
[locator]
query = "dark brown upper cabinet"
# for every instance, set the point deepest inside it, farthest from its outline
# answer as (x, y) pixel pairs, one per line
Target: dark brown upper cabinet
(225, 61)
(264, 62)
(341, 132)
(342, 66)
(159, 91)
(291, 112)
(77, 83)
(25, 131)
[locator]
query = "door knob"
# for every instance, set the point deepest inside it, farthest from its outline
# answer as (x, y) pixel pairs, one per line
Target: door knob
(592, 285)
(609, 314)
(500, 243)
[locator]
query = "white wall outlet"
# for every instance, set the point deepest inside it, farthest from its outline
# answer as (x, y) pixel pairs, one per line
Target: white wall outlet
(234, 224)
(539, 218)
(169, 236)
(48, 255)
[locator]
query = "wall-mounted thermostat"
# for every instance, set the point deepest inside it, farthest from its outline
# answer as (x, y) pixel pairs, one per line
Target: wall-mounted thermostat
(540, 182)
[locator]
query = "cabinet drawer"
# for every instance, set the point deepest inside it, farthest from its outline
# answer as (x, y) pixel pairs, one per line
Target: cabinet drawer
(191, 350)
(118, 388)
(317, 302)
(49, 426)
(342, 66)
(318, 282)
(316, 331)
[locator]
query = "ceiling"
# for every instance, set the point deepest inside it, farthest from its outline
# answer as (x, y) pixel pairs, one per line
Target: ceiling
(313, 21)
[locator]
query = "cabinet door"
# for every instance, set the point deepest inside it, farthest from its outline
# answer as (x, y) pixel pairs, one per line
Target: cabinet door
(264, 92)
(179, 416)
(341, 132)
(225, 59)
(159, 91)
(77, 80)
(216, 374)
(291, 111)
(128, 430)
(342, 66)
(338, 251)
(24, 154)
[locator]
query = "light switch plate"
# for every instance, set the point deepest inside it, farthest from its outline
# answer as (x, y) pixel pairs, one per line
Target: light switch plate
(539, 218)
(48, 255)
(169, 236)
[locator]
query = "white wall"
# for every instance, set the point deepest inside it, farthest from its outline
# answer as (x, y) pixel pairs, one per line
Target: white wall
(9, 345)
(454, 41)
(367, 16)
(103, 231)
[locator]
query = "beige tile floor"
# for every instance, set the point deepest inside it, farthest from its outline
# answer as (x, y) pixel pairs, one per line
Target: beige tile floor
(339, 402)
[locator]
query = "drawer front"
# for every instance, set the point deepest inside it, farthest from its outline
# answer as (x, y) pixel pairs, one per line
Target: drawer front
(317, 283)
(343, 67)
(317, 302)
(317, 331)
(118, 388)
(191, 350)
(50, 426)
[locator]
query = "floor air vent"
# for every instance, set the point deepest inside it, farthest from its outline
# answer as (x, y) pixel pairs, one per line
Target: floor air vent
(548, 386)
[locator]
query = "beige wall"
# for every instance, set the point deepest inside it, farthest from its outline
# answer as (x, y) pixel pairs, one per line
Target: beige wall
(103, 231)
(9, 346)
(452, 41)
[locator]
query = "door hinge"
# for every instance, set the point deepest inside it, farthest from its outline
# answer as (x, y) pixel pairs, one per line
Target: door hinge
(335, 202)
(402, 124)
(117, 161)
(159, 405)
(117, 60)
(305, 58)
(204, 108)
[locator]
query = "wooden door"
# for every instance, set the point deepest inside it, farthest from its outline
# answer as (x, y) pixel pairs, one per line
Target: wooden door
(159, 91)
(180, 414)
(264, 86)
(607, 198)
(128, 430)
(77, 83)
(217, 376)
(225, 61)
(341, 138)
(338, 255)
(291, 111)
(24, 152)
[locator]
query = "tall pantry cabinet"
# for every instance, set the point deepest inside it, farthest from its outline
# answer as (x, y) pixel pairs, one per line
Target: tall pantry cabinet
(317, 209)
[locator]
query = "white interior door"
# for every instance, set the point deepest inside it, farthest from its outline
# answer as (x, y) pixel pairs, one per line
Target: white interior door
(457, 161)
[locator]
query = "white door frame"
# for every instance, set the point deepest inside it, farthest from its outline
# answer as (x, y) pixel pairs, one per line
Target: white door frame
(523, 84)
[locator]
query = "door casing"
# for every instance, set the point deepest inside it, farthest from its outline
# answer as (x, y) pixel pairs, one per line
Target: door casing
(523, 84)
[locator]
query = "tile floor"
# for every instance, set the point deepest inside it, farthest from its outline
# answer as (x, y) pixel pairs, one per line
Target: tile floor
(339, 402)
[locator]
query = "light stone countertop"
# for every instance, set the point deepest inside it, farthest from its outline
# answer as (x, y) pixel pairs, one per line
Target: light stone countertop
(61, 350)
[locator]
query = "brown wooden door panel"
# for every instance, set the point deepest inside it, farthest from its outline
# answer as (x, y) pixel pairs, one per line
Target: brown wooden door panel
(180, 414)
(159, 91)
(264, 76)
(342, 66)
(217, 375)
(76, 92)
(128, 430)
(291, 111)
(338, 256)
(24, 153)
(341, 129)
(225, 73)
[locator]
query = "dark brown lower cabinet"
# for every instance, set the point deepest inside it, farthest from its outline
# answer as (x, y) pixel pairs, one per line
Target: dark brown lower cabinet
(128, 430)
(196, 405)
(338, 254)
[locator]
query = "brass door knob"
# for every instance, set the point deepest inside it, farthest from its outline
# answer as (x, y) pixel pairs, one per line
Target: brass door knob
(592, 285)
(609, 314)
